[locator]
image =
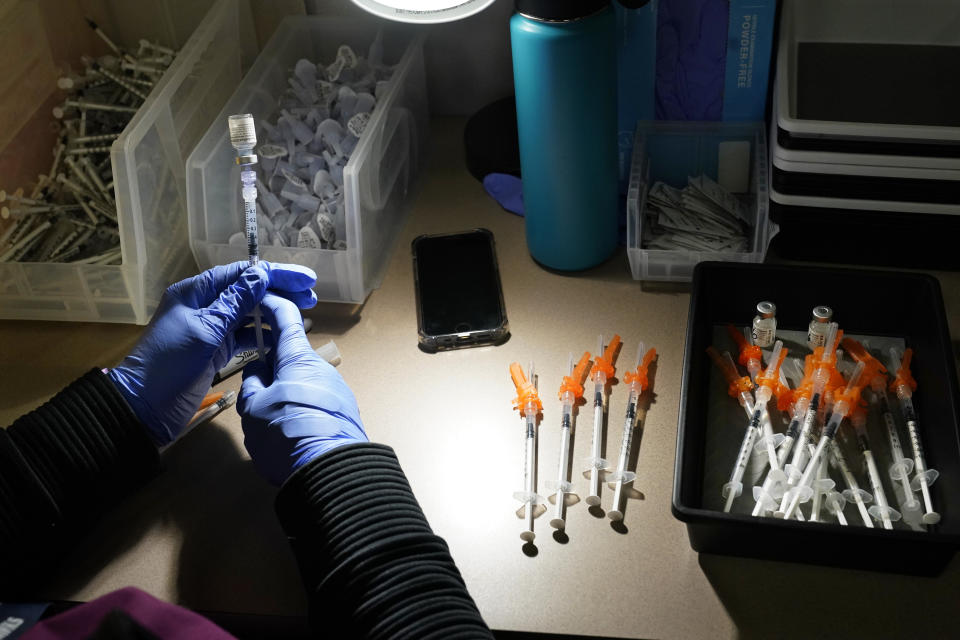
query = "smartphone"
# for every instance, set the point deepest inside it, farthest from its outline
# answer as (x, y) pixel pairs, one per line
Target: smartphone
(459, 299)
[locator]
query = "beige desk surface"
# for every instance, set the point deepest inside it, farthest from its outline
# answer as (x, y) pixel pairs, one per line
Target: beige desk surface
(203, 533)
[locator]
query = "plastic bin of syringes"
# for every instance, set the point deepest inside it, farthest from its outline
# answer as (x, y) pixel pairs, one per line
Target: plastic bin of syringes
(148, 158)
(905, 307)
(377, 180)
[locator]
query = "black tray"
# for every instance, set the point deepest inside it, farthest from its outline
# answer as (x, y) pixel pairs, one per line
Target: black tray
(874, 303)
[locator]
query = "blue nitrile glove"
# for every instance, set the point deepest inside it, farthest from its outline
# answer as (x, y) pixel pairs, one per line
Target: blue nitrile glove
(506, 189)
(295, 406)
(194, 333)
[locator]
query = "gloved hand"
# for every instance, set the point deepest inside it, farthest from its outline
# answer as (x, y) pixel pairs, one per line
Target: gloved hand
(193, 334)
(295, 406)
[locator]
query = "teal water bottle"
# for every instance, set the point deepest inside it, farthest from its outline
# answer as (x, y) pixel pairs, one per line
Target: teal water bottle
(565, 78)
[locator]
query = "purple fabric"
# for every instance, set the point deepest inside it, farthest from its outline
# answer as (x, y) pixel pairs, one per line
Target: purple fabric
(691, 58)
(163, 619)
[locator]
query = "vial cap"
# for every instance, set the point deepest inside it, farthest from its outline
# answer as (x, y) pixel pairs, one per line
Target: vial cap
(766, 309)
(822, 313)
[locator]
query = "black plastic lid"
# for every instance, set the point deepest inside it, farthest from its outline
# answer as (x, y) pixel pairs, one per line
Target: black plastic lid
(568, 9)
(559, 9)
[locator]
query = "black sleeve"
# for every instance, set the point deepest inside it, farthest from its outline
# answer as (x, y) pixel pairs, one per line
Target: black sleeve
(61, 466)
(370, 562)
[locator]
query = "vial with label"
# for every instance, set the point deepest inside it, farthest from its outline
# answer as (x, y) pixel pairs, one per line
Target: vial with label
(819, 326)
(764, 331)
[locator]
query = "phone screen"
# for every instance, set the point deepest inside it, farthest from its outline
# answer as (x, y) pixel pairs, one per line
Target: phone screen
(460, 302)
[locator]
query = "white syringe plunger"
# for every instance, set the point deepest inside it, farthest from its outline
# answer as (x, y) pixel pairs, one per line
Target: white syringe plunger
(835, 503)
(765, 501)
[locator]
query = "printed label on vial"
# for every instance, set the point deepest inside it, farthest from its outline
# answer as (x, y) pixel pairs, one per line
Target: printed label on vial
(762, 337)
(815, 338)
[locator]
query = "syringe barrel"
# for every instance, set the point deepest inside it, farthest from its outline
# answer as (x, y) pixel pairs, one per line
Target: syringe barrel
(830, 345)
(808, 418)
(743, 456)
(562, 466)
(905, 395)
(917, 445)
(530, 452)
(793, 429)
(764, 393)
(830, 430)
(800, 408)
(625, 442)
(820, 378)
(784, 451)
(530, 410)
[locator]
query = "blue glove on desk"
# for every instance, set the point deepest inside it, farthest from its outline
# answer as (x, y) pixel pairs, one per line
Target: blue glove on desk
(295, 406)
(193, 334)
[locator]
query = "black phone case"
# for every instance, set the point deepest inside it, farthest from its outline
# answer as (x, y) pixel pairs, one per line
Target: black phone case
(474, 337)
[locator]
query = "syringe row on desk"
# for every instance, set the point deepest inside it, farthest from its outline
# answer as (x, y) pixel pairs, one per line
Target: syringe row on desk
(571, 391)
(841, 389)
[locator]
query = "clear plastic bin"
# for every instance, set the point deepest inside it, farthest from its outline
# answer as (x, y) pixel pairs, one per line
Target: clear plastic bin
(148, 160)
(672, 151)
(377, 178)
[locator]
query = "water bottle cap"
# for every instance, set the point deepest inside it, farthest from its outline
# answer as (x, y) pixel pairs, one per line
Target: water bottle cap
(559, 10)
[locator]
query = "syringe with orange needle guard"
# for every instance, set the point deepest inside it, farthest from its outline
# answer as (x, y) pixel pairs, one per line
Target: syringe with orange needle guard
(571, 390)
(601, 373)
(637, 381)
(529, 404)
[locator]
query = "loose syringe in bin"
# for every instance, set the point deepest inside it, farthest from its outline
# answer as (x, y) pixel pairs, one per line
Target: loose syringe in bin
(739, 387)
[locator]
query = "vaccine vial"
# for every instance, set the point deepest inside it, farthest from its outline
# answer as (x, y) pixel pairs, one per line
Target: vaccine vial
(819, 326)
(764, 330)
